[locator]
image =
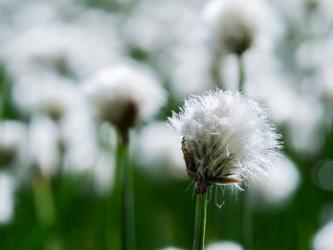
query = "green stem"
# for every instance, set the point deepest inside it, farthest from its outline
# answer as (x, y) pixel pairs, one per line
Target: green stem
(45, 210)
(246, 220)
(215, 70)
(126, 177)
(241, 74)
(200, 222)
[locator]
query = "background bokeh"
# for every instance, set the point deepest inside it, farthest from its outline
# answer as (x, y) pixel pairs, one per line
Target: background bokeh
(50, 50)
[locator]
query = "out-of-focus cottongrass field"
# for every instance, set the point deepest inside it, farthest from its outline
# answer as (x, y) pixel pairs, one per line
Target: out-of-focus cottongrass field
(58, 178)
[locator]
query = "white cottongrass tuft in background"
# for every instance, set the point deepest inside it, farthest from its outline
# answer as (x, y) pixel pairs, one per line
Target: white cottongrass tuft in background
(158, 149)
(7, 197)
(224, 245)
(44, 145)
(115, 91)
(237, 25)
(280, 184)
(171, 248)
(227, 138)
(323, 240)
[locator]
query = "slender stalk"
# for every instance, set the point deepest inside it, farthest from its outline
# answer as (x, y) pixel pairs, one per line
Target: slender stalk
(246, 199)
(215, 70)
(200, 222)
(241, 73)
(246, 220)
(126, 177)
(45, 211)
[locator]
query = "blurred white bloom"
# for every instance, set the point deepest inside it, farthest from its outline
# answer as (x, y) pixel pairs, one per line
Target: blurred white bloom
(170, 248)
(66, 49)
(49, 95)
(280, 184)
(44, 145)
(13, 141)
(7, 197)
(103, 173)
(155, 17)
(316, 57)
(183, 60)
(323, 240)
(224, 245)
(158, 149)
(125, 94)
(237, 25)
(79, 138)
(226, 138)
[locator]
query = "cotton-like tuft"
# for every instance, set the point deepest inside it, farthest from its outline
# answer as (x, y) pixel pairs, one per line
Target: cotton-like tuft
(125, 94)
(238, 25)
(227, 138)
(224, 245)
(323, 240)
(278, 187)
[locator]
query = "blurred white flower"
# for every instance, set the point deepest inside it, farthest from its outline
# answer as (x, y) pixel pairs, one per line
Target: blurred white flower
(323, 240)
(224, 245)
(49, 95)
(158, 150)
(226, 138)
(7, 197)
(103, 173)
(44, 145)
(170, 248)
(78, 134)
(66, 49)
(237, 25)
(13, 142)
(125, 94)
(280, 184)
(183, 60)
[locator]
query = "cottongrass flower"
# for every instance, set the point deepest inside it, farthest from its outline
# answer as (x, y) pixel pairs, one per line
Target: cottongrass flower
(44, 145)
(125, 94)
(13, 139)
(171, 248)
(227, 138)
(323, 240)
(158, 150)
(7, 197)
(278, 187)
(237, 26)
(224, 245)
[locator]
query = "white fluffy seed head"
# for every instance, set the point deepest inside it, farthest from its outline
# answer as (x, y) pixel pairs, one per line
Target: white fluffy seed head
(280, 184)
(323, 239)
(125, 94)
(224, 245)
(226, 138)
(238, 25)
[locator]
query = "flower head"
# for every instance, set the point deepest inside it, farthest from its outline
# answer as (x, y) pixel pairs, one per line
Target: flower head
(225, 245)
(226, 138)
(125, 94)
(238, 25)
(275, 190)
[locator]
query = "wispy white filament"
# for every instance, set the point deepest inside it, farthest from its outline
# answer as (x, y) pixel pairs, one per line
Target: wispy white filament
(225, 134)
